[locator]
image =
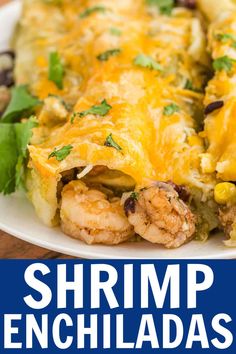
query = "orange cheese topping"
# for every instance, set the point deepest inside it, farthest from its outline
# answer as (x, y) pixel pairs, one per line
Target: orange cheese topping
(155, 145)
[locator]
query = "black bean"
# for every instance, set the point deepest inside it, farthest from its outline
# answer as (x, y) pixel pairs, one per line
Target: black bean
(6, 78)
(181, 190)
(213, 106)
(129, 206)
(190, 4)
(6, 68)
(8, 52)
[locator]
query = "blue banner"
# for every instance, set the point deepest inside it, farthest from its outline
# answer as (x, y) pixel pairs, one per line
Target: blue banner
(117, 306)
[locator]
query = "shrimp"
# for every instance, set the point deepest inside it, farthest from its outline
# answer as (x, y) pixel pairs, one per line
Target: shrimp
(88, 215)
(160, 216)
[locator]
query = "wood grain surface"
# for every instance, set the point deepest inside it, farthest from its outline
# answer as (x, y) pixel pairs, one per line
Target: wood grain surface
(11, 247)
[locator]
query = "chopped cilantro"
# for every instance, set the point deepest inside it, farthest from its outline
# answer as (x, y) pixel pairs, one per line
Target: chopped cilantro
(61, 154)
(115, 31)
(171, 109)
(165, 6)
(109, 53)
(92, 10)
(189, 86)
(146, 61)
(134, 196)
(111, 143)
(22, 103)
(223, 63)
(73, 116)
(56, 70)
(100, 110)
(226, 37)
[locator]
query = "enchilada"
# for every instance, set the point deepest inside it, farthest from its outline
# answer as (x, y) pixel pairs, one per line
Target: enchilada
(120, 89)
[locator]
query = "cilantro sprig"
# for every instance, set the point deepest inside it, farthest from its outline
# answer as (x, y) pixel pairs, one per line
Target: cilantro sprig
(109, 53)
(56, 70)
(100, 110)
(110, 142)
(14, 140)
(223, 63)
(61, 154)
(22, 104)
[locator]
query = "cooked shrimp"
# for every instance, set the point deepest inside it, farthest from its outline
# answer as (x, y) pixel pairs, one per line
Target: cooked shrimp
(88, 215)
(160, 216)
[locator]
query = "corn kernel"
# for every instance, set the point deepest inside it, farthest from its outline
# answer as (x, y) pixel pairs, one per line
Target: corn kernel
(225, 193)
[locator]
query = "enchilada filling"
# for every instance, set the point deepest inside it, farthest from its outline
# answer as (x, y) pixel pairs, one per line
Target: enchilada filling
(160, 216)
(94, 214)
(220, 103)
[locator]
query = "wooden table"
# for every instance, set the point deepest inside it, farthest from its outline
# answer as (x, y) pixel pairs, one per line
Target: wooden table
(11, 247)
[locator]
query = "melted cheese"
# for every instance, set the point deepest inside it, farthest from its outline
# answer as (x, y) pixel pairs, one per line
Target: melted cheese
(213, 9)
(154, 146)
(220, 126)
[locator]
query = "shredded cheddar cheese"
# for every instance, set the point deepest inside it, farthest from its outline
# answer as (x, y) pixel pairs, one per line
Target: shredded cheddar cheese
(154, 146)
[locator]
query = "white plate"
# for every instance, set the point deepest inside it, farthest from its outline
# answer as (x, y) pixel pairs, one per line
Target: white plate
(17, 216)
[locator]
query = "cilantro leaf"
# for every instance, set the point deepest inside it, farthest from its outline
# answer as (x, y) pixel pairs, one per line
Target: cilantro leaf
(189, 86)
(165, 6)
(223, 63)
(110, 142)
(109, 53)
(22, 102)
(8, 158)
(226, 37)
(56, 70)
(14, 139)
(23, 135)
(92, 10)
(146, 61)
(134, 196)
(115, 31)
(61, 154)
(100, 110)
(171, 109)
